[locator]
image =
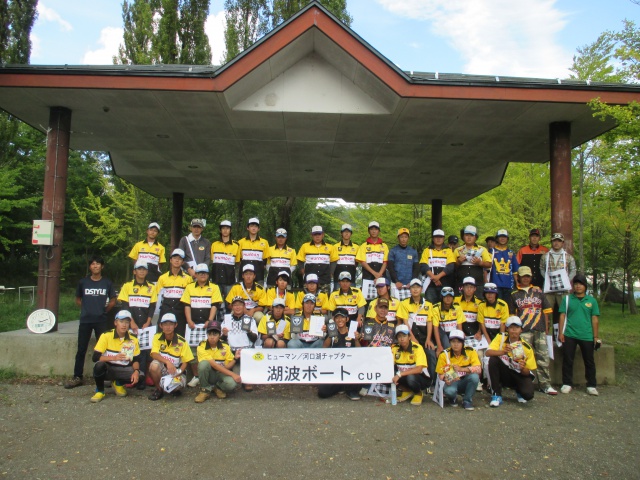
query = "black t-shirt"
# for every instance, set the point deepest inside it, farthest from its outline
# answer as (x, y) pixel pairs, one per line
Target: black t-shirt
(94, 295)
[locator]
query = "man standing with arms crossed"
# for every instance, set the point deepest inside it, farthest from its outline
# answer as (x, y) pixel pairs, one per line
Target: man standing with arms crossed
(92, 295)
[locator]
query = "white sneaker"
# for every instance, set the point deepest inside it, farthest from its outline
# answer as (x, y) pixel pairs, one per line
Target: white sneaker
(195, 381)
(363, 392)
(550, 390)
(566, 389)
(592, 391)
(479, 387)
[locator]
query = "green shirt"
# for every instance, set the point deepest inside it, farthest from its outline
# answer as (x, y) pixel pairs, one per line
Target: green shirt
(578, 319)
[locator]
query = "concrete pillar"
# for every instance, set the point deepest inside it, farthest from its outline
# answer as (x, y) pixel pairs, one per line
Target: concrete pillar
(561, 195)
(436, 214)
(176, 219)
(53, 207)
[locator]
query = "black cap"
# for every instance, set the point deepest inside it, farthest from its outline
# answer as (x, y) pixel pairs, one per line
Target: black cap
(214, 326)
(341, 311)
(580, 278)
(452, 239)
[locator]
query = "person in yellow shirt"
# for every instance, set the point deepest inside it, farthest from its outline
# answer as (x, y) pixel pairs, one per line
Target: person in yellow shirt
(410, 360)
(319, 258)
(471, 260)
(253, 250)
(304, 339)
(438, 264)
(446, 318)
(275, 327)
(511, 364)
(281, 258)
(459, 368)
(215, 366)
(280, 291)
(223, 259)
(373, 254)
(349, 298)
(492, 313)
(117, 357)
(170, 288)
(251, 291)
(347, 251)
(151, 252)
(382, 289)
(311, 286)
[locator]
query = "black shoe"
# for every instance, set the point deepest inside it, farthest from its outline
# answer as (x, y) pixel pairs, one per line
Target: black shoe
(176, 393)
(156, 395)
(140, 385)
(73, 383)
(353, 395)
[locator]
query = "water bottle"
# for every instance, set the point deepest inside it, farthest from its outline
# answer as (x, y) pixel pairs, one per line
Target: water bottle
(394, 394)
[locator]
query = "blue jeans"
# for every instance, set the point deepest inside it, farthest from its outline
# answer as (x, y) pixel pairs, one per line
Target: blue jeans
(466, 386)
(297, 343)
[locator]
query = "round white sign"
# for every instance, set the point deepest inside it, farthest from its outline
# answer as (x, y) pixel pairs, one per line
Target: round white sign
(41, 321)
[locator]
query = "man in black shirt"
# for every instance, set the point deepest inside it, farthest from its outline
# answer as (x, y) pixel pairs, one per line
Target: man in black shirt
(92, 295)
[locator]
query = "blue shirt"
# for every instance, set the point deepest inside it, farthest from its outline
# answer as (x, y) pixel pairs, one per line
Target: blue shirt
(403, 260)
(504, 266)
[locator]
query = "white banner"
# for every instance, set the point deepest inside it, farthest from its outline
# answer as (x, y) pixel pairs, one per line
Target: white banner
(316, 365)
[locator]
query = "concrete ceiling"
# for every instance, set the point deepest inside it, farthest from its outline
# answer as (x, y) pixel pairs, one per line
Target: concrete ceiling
(314, 117)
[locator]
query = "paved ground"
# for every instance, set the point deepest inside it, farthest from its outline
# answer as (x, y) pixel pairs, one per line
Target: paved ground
(287, 432)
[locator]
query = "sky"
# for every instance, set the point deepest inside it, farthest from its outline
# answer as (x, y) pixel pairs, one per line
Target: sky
(525, 38)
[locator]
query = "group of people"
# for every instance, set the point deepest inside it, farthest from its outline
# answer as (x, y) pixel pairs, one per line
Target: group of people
(458, 318)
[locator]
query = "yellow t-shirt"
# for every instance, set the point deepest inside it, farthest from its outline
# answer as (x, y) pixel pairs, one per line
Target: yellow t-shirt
(394, 306)
(221, 353)
(406, 360)
(321, 302)
(450, 319)
(252, 297)
(286, 333)
(289, 298)
(177, 351)
(110, 345)
(415, 313)
(468, 358)
(530, 359)
(437, 258)
(351, 301)
(493, 317)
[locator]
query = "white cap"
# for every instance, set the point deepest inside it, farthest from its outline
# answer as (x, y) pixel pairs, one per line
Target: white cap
(415, 281)
(309, 297)
(459, 334)
(253, 220)
(248, 268)
(202, 267)
(470, 280)
(312, 277)
(514, 321)
(471, 229)
(438, 233)
(153, 225)
(141, 264)
(278, 302)
(344, 275)
(281, 232)
(402, 329)
(346, 226)
(374, 224)
(283, 273)
(225, 223)
(123, 314)
(179, 252)
(502, 233)
(381, 281)
(316, 229)
(168, 317)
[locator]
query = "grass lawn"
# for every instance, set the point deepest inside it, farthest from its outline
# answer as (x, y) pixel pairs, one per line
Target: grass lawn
(13, 315)
(622, 332)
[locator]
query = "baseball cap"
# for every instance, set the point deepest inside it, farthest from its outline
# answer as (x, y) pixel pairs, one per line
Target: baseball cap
(309, 297)
(281, 232)
(283, 273)
(415, 281)
(447, 291)
(346, 226)
(580, 278)
(341, 311)
(471, 229)
(198, 221)
(214, 326)
(452, 239)
(402, 329)
(124, 315)
(514, 321)
(225, 223)
(522, 271)
(344, 276)
(490, 288)
(312, 278)
(248, 268)
(202, 268)
(438, 233)
(316, 229)
(469, 281)
(179, 252)
(153, 225)
(168, 317)
(253, 220)
(381, 282)
(403, 230)
(502, 233)
(459, 334)
(557, 236)
(534, 231)
(374, 224)
(140, 264)
(237, 298)
(382, 301)
(278, 302)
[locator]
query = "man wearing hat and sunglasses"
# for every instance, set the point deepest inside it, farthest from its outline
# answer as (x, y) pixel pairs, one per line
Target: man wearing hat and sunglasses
(196, 248)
